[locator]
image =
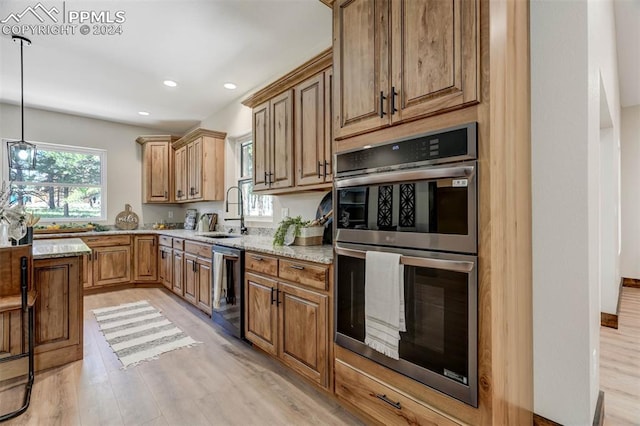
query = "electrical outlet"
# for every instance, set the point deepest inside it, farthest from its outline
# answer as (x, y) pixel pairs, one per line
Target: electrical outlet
(170, 214)
(285, 212)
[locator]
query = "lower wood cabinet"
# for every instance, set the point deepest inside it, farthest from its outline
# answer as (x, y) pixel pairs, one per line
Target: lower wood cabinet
(197, 275)
(288, 320)
(145, 259)
(58, 311)
(109, 261)
(165, 266)
(178, 276)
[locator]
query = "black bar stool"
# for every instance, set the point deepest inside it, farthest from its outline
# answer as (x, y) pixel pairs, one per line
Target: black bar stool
(23, 300)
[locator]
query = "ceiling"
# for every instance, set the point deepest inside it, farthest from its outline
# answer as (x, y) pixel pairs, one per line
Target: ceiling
(627, 15)
(199, 44)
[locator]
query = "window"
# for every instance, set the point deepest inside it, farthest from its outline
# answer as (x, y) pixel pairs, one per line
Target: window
(256, 207)
(69, 183)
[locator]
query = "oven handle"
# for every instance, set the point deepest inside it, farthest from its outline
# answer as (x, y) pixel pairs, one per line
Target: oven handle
(408, 175)
(449, 265)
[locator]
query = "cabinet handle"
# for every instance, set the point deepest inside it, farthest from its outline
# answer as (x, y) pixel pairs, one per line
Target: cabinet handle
(90, 255)
(298, 267)
(258, 258)
(195, 267)
(93, 239)
(382, 99)
(95, 256)
(278, 301)
(179, 194)
(388, 401)
(166, 194)
(192, 191)
(393, 100)
(270, 178)
(326, 164)
(319, 166)
(162, 254)
(272, 298)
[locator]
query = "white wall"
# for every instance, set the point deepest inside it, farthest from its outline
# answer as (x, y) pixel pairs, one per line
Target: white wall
(124, 163)
(630, 145)
(572, 45)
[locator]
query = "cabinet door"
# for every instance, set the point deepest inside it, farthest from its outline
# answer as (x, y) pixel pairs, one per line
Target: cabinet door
(58, 305)
(281, 151)
(87, 268)
(165, 270)
(261, 158)
(111, 265)
(194, 167)
(309, 131)
(303, 332)
(361, 66)
(328, 125)
(434, 55)
(190, 277)
(145, 263)
(156, 171)
(178, 272)
(203, 290)
(261, 312)
(181, 174)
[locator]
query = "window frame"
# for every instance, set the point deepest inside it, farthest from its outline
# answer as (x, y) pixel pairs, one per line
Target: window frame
(48, 146)
(240, 179)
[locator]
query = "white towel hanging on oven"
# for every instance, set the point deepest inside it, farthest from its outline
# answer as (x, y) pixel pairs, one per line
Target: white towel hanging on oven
(384, 302)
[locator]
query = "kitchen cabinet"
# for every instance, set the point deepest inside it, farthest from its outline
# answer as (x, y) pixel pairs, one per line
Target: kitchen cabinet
(199, 160)
(178, 267)
(273, 153)
(399, 60)
(157, 168)
(145, 258)
(290, 318)
(197, 275)
(165, 261)
(190, 277)
(313, 139)
(109, 261)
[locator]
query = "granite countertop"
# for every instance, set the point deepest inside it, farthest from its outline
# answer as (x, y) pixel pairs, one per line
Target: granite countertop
(319, 254)
(51, 248)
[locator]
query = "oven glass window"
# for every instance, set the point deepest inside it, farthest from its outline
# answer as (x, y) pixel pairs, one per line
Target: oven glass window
(439, 207)
(350, 312)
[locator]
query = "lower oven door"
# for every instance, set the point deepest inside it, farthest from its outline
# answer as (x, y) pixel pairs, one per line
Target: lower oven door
(439, 347)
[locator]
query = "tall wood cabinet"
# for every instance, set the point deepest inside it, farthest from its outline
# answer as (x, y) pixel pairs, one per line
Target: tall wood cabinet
(287, 312)
(157, 168)
(199, 159)
(398, 60)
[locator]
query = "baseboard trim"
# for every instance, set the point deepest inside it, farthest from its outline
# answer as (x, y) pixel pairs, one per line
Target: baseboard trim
(608, 320)
(598, 416)
(631, 282)
(538, 420)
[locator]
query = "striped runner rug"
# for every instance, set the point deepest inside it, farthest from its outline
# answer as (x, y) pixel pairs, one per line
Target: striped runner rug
(138, 332)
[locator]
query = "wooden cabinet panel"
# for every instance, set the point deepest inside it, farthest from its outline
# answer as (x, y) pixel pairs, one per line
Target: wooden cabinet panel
(163, 240)
(107, 240)
(57, 310)
(282, 141)
(328, 125)
(190, 277)
(145, 262)
(361, 56)
(87, 267)
(381, 402)
(203, 290)
(312, 275)
(303, 343)
(180, 177)
(260, 263)
(178, 244)
(178, 272)
(111, 265)
(261, 313)
(434, 55)
(309, 131)
(261, 141)
(198, 249)
(165, 269)
(194, 165)
(156, 170)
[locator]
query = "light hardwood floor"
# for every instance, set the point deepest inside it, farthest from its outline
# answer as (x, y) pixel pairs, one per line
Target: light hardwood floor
(222, 381)
(620, 363)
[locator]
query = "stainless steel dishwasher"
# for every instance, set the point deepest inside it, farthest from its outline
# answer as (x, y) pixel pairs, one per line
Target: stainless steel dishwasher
(229, 313)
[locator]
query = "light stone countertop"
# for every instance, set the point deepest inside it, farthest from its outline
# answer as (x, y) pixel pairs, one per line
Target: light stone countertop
(51, 248)
(319, 254)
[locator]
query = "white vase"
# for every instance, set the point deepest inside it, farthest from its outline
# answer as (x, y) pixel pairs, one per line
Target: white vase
(4, 235)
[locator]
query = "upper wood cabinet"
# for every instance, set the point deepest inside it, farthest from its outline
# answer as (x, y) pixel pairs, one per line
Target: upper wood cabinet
(157, 168)
(199, 159)
(292, 142)
(398, 60)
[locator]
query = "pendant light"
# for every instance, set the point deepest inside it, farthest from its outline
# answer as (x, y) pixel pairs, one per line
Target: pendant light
(22, 154)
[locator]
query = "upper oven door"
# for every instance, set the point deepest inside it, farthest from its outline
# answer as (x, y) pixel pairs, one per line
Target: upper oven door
(431, 208)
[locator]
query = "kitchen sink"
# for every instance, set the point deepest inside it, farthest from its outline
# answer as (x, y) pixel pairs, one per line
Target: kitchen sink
(217, 235)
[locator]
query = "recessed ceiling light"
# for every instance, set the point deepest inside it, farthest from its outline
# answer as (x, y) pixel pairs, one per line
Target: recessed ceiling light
(143, 113)
(170, 83)
(230, 86)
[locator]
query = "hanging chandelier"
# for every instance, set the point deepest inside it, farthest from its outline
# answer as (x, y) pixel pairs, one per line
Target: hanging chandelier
(22, 154)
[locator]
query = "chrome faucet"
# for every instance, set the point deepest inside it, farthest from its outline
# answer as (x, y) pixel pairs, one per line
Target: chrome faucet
(243, 229)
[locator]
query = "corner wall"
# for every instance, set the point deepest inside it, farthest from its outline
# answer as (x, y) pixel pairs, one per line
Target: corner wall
(630, 147)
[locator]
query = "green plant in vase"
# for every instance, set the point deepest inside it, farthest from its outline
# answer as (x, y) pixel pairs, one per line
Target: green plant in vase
(283, 228)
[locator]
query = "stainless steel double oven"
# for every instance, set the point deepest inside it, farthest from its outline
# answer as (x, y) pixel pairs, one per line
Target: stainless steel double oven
(418, 198)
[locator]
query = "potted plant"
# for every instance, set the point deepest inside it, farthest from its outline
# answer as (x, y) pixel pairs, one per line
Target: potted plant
(294, 230)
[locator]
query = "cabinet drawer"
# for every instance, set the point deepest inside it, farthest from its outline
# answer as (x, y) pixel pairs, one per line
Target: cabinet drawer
(382, 402)
(178, 243)
(304, 273)
(260, 263)
(107, 240)
(199, 249)
(164, 241)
